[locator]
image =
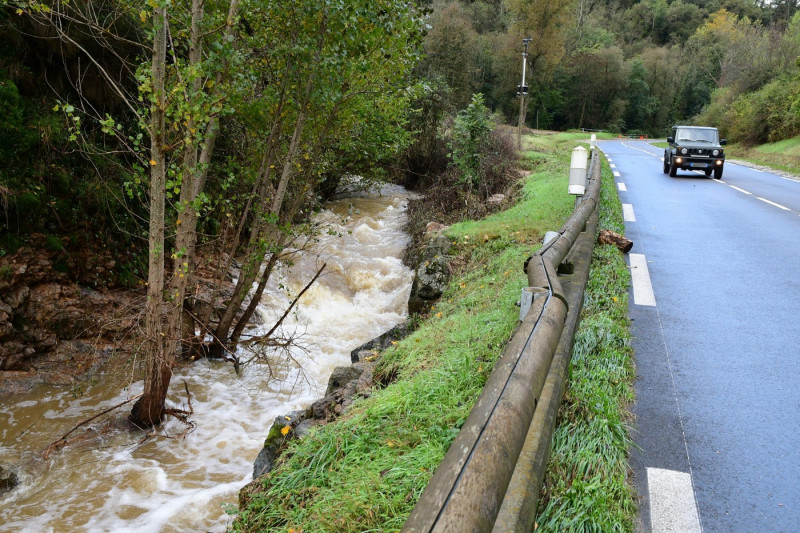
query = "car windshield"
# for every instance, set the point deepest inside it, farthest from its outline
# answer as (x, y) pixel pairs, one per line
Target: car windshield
(697, 135)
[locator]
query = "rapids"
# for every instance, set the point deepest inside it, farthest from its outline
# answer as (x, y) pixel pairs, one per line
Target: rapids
(112, 483)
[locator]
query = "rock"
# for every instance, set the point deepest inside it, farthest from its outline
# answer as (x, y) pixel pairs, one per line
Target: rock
(16, 296)
(342, 375)
(9, 478)
(276, 440)
(438, 245)
(380, 343)
(345, 384)
(432, 277)
(435, 227)
(303, 428)
(432, 274)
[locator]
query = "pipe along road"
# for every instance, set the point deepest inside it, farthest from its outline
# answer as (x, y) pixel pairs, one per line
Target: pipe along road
(715, 312)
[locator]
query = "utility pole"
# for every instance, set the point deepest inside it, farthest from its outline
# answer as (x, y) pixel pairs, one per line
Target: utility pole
(522, 91)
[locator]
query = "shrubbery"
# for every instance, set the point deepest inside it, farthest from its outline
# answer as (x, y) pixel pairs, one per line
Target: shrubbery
(758, 117)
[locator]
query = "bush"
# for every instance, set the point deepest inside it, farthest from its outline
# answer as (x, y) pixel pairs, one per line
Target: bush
(758, 117)
(426, 157)
(470, 140)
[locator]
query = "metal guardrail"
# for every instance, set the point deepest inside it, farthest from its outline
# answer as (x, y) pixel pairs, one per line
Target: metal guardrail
(490, 477)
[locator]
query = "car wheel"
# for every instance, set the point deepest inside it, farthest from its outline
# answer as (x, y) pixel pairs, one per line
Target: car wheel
(673, 169)
(707, 171)
(718, 173)
(666, 164)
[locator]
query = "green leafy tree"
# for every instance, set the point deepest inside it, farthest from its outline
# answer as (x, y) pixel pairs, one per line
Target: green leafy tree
(471, 134)
(641, 104)
(451, 52)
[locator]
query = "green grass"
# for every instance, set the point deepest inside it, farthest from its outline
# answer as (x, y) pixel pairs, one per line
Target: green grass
(366, 471)
(783, 155)
(786, 146)
(586, 487)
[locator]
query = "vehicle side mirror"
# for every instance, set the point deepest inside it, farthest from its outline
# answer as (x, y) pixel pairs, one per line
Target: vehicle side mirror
(670, 139)
(723, 142)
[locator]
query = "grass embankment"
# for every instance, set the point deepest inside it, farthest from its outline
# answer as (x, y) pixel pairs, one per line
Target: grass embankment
(586, 485)
(783, 155)
(366, 471)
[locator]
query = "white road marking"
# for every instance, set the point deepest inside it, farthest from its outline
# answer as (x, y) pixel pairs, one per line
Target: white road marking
(627, 213)
(672, 504)
(773, 203)
(622, 186)
(640, 279)
(616, 173)
(612, 165)
(740, 190)
(641, 150)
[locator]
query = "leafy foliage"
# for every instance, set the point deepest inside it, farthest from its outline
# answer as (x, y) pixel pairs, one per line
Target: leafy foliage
(471, 129)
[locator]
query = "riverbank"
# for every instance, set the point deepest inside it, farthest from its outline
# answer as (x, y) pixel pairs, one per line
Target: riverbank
(367, 470)
(179, 479)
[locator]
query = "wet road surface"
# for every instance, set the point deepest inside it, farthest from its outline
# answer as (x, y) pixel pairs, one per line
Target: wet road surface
(717, 344)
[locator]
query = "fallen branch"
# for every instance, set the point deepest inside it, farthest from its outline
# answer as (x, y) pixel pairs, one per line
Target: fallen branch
(263, 338)
(609, 237)
(60, 443)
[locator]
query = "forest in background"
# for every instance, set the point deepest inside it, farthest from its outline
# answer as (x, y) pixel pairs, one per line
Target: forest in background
(161, 133)
(625, 66)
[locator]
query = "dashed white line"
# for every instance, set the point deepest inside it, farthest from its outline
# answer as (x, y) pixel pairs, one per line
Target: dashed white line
(627, 213)
(740, 190)
(672, 504)
(616, 174)
(779, 206)
(640, 279)
(622, 187)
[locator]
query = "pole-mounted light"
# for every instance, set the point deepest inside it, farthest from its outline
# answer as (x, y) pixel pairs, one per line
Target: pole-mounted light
(522, 91)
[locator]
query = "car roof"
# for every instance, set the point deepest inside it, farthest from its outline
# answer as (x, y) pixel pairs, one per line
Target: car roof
(695, 127)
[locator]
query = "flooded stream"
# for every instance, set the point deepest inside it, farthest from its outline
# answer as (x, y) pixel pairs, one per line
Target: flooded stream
(114, 483)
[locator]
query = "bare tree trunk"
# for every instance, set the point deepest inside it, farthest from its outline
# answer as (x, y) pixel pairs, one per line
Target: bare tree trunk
(149, 409)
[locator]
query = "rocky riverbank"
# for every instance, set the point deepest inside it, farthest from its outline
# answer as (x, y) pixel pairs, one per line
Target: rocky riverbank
(55, 328)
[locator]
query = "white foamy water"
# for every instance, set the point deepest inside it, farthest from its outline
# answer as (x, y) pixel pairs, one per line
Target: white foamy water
(113, 483)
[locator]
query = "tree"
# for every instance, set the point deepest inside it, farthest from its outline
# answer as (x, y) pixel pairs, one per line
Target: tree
(664, 71)
(547, 22)
(451, 52)
(641, 104)
(333, 85)
(317, 76)
(592, 85)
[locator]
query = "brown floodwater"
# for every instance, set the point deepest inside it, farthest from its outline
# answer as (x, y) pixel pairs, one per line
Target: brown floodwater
(112, 482)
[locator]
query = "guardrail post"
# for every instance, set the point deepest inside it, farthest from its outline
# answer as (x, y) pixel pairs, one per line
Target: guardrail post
(577, 171)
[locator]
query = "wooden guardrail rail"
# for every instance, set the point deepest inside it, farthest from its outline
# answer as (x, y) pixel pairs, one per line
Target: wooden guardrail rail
(490, 477)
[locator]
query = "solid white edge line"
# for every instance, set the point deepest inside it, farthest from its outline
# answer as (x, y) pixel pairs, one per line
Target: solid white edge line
(779, 206)
(622, 186)
(672, 504)
(627, 213)
(640, 280)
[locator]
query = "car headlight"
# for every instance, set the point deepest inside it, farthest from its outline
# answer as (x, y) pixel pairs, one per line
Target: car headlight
(684, 151)
(715, 153)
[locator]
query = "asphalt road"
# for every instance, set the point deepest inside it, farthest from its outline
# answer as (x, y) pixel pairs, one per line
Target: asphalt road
(717, 344)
